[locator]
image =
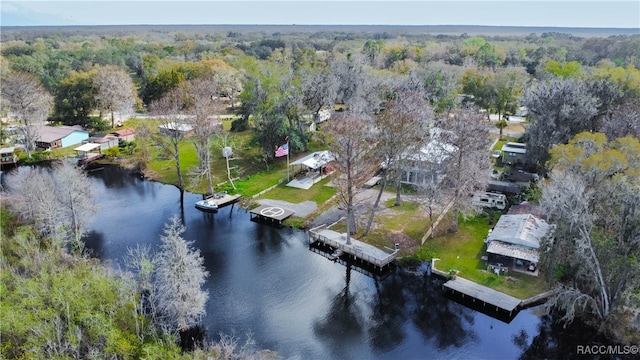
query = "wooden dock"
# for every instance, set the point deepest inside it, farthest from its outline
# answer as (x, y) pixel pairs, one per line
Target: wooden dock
(356, 250)
(227, 199)
(484, 294)
(273, 215)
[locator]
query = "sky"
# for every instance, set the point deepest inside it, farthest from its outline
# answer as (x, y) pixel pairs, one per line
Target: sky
(564, 13)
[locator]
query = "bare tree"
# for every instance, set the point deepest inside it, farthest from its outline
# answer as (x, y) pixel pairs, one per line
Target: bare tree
(179, 277)
(432, 195)
(465, 138)
(357, 87)
(558, 110)
(226, 143)
(57, 200)
(29, 102)
(203, 102)
(173, 127)
(73, 191)
(593, 199)
(318, 90)
(623, 120)
(400, 129)
(116, 92)
(229, 82)
(351, 142)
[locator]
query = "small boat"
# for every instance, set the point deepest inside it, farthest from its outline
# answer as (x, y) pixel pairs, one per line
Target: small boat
(209, 204)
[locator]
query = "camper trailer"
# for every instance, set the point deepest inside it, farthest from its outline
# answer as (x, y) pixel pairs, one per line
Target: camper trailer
(490, 200)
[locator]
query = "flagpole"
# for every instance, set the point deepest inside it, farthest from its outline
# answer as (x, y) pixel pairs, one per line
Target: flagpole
(288, 150)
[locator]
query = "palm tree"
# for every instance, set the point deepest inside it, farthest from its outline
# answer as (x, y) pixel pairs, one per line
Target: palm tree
(501, 124)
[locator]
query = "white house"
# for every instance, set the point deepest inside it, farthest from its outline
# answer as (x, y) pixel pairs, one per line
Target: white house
(424, 165)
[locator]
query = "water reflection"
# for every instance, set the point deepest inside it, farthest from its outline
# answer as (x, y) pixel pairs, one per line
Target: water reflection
(266, 282)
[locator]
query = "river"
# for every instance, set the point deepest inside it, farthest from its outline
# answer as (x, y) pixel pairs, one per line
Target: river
(265, 283)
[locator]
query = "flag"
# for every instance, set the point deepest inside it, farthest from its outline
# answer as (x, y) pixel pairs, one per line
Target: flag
(282, 150)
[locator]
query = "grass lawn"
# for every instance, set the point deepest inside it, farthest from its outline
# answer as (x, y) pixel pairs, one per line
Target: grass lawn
(461, 251)
(319, 193)
(505, 139)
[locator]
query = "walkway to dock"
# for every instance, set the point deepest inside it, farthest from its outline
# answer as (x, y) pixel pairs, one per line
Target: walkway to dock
(484, 294)
(357, 249)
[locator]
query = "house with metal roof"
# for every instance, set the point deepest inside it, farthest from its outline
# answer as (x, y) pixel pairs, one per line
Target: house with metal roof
(514, 153)
(125, 134)
(514, 242)
(423, 165)
(53, 137)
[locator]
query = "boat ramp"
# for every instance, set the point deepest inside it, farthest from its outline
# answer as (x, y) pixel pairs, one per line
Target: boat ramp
(356, 250)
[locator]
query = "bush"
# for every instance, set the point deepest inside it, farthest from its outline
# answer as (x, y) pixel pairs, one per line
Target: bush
(112, 152)
(97, 124)
(240, 125)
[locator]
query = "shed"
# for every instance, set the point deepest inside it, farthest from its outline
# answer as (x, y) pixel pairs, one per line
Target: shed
(125, 134)
(105, 141)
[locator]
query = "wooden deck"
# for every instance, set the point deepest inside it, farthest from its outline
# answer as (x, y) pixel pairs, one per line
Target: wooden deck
(226, 199)
(357, 249)
(484, 294)
(273, 215)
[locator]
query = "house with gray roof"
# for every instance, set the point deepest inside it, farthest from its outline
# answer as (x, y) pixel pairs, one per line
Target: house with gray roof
(514, 242)
(514, 153)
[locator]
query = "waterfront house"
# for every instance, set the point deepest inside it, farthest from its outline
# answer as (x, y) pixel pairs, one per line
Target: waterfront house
(514, 242)
(423, 166)
(54, 137)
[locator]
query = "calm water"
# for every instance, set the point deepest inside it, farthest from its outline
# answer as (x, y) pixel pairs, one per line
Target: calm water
(267, 283)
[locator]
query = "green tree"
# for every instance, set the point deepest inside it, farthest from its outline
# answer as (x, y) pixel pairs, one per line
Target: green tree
(486, 56)
(480, 86)
(372, 49)
(159, 85)
(75, 98)
(508, 85)
(569, 69)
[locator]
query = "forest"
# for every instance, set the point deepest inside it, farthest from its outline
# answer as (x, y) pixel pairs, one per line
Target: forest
(579, 93)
